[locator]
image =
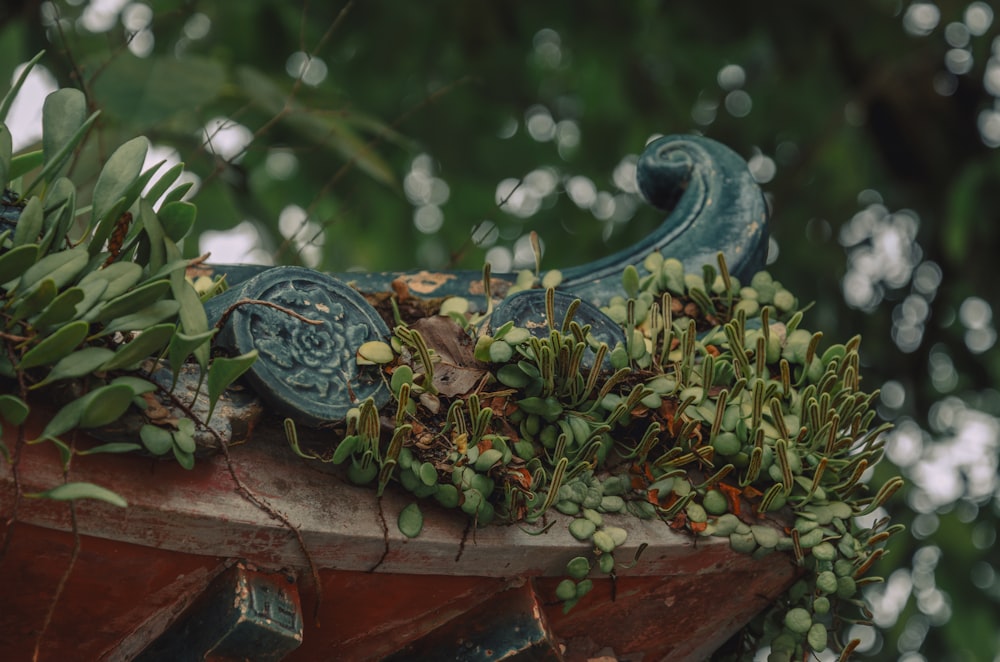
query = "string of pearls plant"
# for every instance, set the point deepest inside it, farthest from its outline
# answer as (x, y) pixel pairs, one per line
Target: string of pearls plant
(720, 415)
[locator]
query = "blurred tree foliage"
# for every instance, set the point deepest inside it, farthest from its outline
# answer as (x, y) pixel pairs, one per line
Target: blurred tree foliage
(432, 134)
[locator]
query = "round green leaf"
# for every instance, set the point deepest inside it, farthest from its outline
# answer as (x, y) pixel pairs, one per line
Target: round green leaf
(156, 440)
(411, 521)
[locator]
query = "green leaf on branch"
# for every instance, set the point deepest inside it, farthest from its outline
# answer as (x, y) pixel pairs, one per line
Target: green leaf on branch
(16, 261)
(113, 184)
(148, 316)
(113, 447)
(149, 342)
(56, 346)
(223, 372)
(13, 409)
(63, 113)
(81, 490)
(105, 405)
(77, 364)
(29, 224)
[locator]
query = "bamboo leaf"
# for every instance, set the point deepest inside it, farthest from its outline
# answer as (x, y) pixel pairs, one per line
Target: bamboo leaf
(150, 341)
(58, 345)
(223, 372)
(81, 490)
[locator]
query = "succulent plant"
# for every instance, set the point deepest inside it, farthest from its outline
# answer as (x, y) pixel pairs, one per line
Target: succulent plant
(89, 294)
(719, 415)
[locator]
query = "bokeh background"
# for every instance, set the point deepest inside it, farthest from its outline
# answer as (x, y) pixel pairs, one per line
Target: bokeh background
(388, 134)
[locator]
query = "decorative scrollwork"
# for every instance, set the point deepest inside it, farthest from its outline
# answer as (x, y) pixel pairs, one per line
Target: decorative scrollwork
(307, 365)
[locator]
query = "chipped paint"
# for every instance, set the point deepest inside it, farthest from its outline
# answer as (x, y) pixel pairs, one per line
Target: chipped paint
(426, 282)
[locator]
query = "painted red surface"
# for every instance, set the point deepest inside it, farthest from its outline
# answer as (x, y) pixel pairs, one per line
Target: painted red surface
(139, 567)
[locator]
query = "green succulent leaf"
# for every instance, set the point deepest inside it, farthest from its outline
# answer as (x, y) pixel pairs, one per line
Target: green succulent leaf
(134, 301)
(80, 490)
(105, 405)
(164, 182)
(411, 521)
(177, 219)
(16, 261)
(119, 276)
(29, 223)
(113, 447)
(79, 363)
(13, 409)
(223, 372)
(60, 268)
(6, 152)
(115, 182)
(183, 458)
(145, 318)
(63, 114)
(191, 312)
(56, 346)
(149, 342)
(182, 345)
(52, 166)
(62, 309)
(8, 99)
(157, 440)
(24, 163)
